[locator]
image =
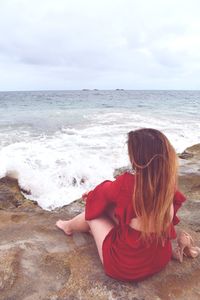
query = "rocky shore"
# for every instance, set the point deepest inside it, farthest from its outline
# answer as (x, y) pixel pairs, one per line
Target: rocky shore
(37, 261)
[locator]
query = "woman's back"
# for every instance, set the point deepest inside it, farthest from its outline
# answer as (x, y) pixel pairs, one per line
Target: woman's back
(126, 255)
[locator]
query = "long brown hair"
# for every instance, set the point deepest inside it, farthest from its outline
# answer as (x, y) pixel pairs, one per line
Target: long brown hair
(155, 163)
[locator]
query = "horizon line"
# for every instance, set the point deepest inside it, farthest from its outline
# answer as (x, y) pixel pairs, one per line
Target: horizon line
(95, 90)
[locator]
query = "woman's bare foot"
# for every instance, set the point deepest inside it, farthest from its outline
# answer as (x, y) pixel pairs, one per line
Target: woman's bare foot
(65, 226)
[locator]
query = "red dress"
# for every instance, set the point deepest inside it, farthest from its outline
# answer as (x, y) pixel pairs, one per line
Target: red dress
(125, 255)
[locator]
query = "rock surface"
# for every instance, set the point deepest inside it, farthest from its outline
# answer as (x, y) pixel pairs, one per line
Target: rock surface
(37, 261)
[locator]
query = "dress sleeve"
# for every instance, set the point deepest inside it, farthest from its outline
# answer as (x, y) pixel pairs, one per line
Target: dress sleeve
(179, 198)
(104, 195)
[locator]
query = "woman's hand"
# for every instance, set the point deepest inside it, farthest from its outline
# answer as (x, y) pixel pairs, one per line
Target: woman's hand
(84, 196)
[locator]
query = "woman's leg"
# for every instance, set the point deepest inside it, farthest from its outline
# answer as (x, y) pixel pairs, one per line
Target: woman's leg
(78, 223)
(100, 227)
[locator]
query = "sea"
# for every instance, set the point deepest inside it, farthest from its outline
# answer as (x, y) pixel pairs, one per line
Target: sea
(60, 144)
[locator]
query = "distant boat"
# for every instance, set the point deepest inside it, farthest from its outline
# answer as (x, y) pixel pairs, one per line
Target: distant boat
(85, 90)
(119, 90)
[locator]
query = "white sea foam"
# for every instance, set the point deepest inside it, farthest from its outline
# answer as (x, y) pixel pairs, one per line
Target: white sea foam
(59, 169)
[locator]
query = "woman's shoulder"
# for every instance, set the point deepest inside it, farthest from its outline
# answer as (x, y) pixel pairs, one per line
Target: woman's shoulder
(126, 180)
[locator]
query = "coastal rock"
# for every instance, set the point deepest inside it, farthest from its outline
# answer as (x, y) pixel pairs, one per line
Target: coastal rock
(9, 261)
(189, 175)
(39, 262)
(193, 151)
(11, 196)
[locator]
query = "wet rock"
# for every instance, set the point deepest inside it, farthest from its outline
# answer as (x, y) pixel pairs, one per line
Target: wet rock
(11, 196)
(195, 150)
(191, 152)
(185, 155)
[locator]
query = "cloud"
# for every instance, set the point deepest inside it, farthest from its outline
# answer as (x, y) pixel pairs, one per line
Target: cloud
(67, 44)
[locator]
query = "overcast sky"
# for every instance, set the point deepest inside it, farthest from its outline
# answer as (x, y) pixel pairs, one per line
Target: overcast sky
(104, 44)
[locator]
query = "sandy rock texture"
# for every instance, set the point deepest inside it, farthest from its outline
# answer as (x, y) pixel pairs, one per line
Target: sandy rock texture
(38, 261)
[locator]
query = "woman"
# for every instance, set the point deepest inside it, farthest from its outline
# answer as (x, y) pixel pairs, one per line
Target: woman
(132, 218)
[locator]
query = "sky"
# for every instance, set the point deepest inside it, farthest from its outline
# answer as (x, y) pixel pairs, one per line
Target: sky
(103, 44)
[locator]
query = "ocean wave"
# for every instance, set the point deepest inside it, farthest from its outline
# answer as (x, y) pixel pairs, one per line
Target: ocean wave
(70, 152)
